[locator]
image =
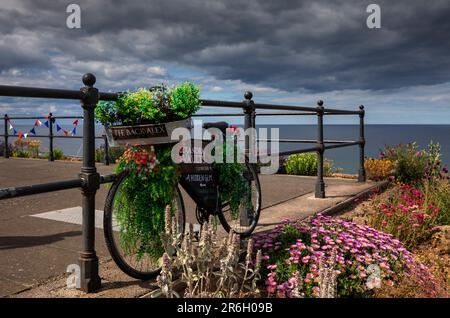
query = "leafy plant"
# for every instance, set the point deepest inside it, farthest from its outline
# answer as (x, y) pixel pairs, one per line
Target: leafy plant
(148, 188)
(58, 154)
(379, 169)
(409, 161)
(155, 105)
(407, 213)
(234, 188)
(20, 153)
(210, 269)
(114, 153)
(305, 164)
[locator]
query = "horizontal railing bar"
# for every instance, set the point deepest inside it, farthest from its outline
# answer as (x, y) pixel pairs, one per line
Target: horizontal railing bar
(285, 114)
(342, 112)
(108, 178)
(293, 152)
(54, 136)
(306, 141)
(347, 144)
(38, 92)
(14, 192)
(54, 117)
(216, 115)
(221, 103)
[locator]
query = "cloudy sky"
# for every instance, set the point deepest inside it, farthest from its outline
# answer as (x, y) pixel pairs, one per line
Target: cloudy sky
(290, 52)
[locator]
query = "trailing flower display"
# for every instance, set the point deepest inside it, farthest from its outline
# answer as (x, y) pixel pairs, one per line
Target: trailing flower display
(294, 255)
(147, 190)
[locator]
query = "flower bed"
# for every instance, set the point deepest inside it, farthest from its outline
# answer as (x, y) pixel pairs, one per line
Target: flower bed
(326, 253)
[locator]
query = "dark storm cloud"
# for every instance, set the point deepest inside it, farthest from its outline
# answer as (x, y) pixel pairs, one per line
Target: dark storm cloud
(290, 45)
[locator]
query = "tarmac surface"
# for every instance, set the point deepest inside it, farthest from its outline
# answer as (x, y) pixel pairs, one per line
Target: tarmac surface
(35, 252)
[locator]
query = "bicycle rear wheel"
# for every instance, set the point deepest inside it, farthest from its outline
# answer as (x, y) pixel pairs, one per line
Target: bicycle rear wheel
(129, 259)
(243, 219)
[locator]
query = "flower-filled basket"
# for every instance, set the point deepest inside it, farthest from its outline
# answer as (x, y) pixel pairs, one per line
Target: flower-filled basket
(148, 116)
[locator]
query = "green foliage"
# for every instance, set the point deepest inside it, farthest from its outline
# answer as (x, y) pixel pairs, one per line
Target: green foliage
(185, 99)
(155, 105)
(20, 153)
(305, 164)
(58, 154)
(233, 186)
(409, 161)
(114, 153)
(144, 194)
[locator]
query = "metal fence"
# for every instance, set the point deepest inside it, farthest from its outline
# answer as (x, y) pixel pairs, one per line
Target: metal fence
(89, 179)
(51, 136)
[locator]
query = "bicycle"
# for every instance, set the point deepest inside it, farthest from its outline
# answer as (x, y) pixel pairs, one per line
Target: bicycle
(200, 182)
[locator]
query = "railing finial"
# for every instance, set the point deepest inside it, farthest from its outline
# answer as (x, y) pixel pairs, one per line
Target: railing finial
(89, 79)
(248, 95)
(361, 107)
(320, 103)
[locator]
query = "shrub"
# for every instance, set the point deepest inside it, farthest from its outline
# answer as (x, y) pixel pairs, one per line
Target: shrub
(438, 192)
(305, 164)
(114, 153)
(379, 169)
(409, 161)
(407, 214)
(58, 154)
(20, 153)
(324, 256)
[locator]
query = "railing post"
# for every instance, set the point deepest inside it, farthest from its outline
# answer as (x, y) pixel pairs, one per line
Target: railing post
(106, 157)
(320, 184)
(90, 280)
(6, 150)
(249, 123)
(362, 144)
(50, 136)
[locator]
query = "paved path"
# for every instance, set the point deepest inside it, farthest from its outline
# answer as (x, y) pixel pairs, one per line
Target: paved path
(32, 250)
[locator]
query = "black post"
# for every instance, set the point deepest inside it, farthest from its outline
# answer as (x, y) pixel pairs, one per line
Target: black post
(249, 122)
(362, 143)
(320, 185)
(6, 150)
(50, 136)
(106, 157)
(90, 280)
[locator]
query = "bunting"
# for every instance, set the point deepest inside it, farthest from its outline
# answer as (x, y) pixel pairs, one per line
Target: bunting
(38, 123)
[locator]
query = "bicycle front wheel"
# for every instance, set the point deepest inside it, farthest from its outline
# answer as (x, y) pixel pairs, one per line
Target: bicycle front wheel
(128, 254)
(242, 217)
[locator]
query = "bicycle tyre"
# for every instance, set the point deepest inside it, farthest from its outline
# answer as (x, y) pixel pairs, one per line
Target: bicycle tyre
(222, 213)
(108, 229)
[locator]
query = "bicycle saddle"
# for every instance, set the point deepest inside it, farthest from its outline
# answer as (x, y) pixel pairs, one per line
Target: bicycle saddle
(222, 125)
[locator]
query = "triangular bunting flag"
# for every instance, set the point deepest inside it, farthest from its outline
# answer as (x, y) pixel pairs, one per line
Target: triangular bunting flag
(75, 122)
(11, 127)
(66, 132)
(37, 123)
(20, 135)
(46, 123)
(25, 135)
(74, 131)
(33, 131)
(58, 127)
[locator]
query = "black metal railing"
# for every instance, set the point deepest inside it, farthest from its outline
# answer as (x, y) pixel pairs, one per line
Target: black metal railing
(89, 179)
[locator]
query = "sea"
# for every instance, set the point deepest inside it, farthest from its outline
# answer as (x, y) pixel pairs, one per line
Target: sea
(377, 136)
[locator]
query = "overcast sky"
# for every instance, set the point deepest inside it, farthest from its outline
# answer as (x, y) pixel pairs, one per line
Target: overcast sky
(290, 52)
